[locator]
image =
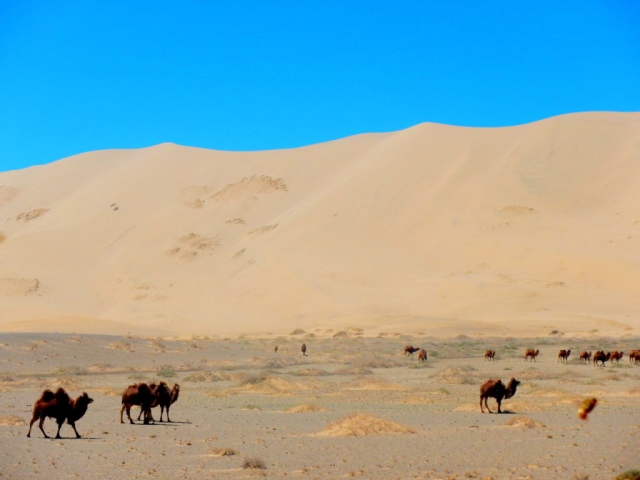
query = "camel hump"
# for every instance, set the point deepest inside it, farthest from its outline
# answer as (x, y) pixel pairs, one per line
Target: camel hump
(47, 395)
(61, 394)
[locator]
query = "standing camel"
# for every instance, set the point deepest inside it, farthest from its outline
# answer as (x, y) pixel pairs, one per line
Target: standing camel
(304, 349)
(490, 355)
(410, 350)
(563, 356)
(422, 355)
(531, 353)
(496, 389)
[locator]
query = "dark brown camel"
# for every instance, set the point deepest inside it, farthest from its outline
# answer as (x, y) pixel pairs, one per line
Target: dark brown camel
(422, 355)
(496, 389)
(58, 405)
(600, 356)
(139, 394)
(530, 353)
(276, 350)
(410, 350)
(164, 398)
(304, 349)
(585, 357)
(634, 356)
(490, 355)
(563, 356)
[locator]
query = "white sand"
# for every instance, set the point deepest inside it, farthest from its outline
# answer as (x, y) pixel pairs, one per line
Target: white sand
(437, 229)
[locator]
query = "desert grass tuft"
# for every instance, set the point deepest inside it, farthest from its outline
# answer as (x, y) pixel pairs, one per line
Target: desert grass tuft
(223, 452)
(254, 463)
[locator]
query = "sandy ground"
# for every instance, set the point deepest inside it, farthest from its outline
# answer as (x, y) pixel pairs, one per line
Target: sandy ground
(240, 400)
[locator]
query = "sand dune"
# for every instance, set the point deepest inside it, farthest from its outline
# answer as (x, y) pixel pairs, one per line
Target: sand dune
(518, 230)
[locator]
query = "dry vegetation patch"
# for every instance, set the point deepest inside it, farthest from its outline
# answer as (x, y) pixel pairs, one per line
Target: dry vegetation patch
(223, 452)
(463, 375)
(12, 421)
(270, 385)
(362, 424)
(305, 408)
(523, 422)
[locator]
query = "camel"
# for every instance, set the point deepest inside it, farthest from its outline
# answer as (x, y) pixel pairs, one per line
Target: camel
(585, 357)
(496, 389)
(531, 353)
(600, 356)
(58, 405)
(422, 355)
(634, 356)
(304, 349)
(490, 355)
(563, 356)
(410, 350)
(617, 356)
(163, 398)
(143, 395)
(276, 349)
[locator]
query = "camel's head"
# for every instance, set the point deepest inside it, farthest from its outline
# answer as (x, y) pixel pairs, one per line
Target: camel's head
(514, 383)
(86, 399)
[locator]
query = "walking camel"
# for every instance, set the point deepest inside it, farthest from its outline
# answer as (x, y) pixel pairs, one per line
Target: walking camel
(496, 389)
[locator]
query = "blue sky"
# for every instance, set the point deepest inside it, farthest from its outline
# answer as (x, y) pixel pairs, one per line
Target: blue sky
(77, 76)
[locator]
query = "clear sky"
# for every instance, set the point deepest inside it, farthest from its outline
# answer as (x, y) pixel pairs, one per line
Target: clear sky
(77, 76)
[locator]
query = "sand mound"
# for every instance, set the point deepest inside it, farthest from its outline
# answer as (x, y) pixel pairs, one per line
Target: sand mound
(361, 424)
(33, 214)
(269, 385)
(18, 287)
(210, 377)
(305, 408)
(249, 186)
(12, 421)
(523, 422)
(374, 384)
(457, 375)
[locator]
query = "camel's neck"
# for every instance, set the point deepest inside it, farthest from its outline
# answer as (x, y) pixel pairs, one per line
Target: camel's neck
(78, 410)
(511, 391)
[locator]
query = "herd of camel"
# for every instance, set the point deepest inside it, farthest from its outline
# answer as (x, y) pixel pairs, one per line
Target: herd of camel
(59, 406)
(498, 390)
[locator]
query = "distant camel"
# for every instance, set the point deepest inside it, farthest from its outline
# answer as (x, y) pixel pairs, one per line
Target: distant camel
(164, 398)
(304, 349)
(58, 405)
(422, 356)
(634, 356)
(600, 356)
(496, 389)
(490, 355)
(276, 348)
(531, 353)
(563, 356)
(617, 356)
(410, 350)
(585, 357)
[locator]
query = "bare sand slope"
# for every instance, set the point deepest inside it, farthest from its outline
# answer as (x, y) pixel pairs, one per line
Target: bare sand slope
(507, 230)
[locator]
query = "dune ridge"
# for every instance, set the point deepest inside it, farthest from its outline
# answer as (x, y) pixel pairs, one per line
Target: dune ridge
(518, 230)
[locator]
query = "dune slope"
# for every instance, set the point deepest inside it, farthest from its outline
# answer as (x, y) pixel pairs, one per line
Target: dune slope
(434, 228)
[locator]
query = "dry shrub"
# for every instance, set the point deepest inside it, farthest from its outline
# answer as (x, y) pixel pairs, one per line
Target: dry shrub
(361, 424)
(305, 408)
(223, 452)
(254, 463)
(629, 475)
(111, 392)
(210, 376)
(298, 331)
(66, 382)
(354, 371)
(311, 372)
(378, 361)
(524, 422)
(126, 346)
(12, 421)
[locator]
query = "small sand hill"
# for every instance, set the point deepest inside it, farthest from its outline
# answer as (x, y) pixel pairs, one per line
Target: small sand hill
(362, 424)
(305, 408)
(438, 229)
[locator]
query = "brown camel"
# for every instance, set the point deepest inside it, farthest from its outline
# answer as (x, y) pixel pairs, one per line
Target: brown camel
(422, 355)
(304, 349)
(58, 405)
(617, 356)
(170, 400)
(600, 356)
(490, 355)
(563, 356)
(531, 353)
(410, 350)
(585, 357)
(276, 349)
(634, 356)
(496, 389)
(140, 394)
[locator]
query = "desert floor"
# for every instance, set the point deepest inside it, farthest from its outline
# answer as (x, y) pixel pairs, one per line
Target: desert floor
(240, 400)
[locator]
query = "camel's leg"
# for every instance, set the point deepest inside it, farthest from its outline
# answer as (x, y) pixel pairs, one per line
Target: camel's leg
(481, 409)
(499, 404)
(121, 412)
(140, 414)
(74, 429)
(128, 409)
(486, 404)
(33, 420)
(168, 419)
(59, 427)
(42, 429)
